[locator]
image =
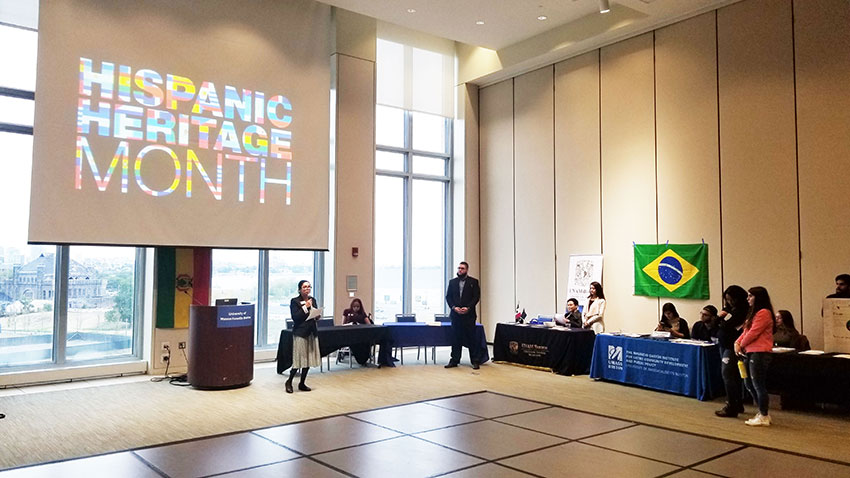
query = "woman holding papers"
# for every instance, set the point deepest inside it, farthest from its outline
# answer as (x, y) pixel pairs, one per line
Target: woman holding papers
(594, 317)
(305, 341)
(755, 346)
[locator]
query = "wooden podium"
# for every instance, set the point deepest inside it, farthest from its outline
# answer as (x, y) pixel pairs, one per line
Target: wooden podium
(221, 346)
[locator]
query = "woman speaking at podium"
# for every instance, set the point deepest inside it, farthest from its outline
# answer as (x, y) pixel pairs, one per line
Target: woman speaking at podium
(305, 339)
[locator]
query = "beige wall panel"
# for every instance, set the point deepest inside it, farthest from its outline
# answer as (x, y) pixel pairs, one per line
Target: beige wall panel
(688, 160)
(534, 180)
(628, 177)
(355, 180)
(578, 220)
(757, 149)
(497, 204)
(822, 42)
(465, 179)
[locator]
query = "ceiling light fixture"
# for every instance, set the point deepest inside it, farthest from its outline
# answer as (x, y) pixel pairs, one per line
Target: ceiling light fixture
(411, 10)
(480, 22)
(604, 6)
(542, 18)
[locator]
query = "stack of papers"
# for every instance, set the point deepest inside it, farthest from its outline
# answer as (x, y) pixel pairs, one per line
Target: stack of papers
(847, 356)
(782, 350)
(692, 342)
(812, 352)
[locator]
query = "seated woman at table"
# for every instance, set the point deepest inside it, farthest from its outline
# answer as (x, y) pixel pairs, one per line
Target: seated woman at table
(594, 316)
(786, 335)
(671, 322)
(708, 326)
(356, 314)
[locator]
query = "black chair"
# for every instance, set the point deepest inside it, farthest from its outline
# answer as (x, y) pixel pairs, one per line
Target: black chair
(289, 324)
(325, 323)
(407, 318)
(438, 318)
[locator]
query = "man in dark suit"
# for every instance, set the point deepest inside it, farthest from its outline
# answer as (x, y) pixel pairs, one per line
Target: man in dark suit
(462, 296)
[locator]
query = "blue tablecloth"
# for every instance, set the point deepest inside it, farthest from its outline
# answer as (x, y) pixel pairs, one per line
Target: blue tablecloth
(685, 369)
(415, 334)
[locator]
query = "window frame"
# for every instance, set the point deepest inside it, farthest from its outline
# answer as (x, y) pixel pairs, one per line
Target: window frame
(408, 177)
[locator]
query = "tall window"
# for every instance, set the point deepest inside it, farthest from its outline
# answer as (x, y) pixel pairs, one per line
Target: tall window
(57, 304)
(411, 213)
(413, 164)
(267, 278)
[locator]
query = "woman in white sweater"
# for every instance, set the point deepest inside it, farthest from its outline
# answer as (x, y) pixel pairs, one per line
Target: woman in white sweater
(594, 316)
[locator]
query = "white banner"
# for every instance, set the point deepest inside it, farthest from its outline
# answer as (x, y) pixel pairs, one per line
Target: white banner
(836, 325)
(583, 269)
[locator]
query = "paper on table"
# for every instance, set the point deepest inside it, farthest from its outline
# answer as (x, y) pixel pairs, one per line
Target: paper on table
(779, 350)
(847, 356)
(315, 313)
(812, 352)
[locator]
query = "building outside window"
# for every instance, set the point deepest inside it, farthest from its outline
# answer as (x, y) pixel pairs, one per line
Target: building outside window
(90, 313)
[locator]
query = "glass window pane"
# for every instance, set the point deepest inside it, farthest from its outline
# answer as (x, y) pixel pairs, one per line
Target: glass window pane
(389, 251)
(19, 60)
(428, 248)
(389, 126)
(16, 110)
(26, 272)
(427, 74)
(426, 165)
(235, 274)
(100, 302)
(429, 132)
(390, 66)
(286, 269)
(389, 161)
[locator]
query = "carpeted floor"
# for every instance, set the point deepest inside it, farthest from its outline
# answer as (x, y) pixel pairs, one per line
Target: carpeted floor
(63, 424)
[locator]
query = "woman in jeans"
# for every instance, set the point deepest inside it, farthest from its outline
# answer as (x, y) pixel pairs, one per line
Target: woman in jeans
(755, 345)
(732, 317)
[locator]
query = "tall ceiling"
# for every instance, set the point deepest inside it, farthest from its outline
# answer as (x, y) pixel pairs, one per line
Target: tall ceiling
(507, 22)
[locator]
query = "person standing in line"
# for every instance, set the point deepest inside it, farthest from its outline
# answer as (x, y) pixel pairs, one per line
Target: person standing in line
(462, 296)
(755, 345)
(594, 316)
(305, 338)
(732, 318)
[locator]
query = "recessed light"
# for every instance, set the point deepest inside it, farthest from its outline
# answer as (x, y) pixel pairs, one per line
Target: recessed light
(480, 22)
(542, 18)
(411, 10)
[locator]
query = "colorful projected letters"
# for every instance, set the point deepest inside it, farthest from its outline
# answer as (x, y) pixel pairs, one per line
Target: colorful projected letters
(181, 122)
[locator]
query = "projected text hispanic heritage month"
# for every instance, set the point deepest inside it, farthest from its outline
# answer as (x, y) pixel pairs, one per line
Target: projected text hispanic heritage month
(179, 124)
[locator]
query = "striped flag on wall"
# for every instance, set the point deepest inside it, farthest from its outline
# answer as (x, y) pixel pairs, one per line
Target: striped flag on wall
(183, 276)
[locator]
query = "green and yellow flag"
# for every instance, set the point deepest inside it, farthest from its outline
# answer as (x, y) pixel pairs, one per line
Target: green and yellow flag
(182, 279)
(672, 270)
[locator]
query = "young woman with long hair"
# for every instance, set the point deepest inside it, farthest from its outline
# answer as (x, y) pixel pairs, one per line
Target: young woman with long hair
(594, 316)
(755, 346)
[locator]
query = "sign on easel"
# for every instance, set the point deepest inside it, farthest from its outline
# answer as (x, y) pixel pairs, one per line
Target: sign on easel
(583, 269)
(836, 325)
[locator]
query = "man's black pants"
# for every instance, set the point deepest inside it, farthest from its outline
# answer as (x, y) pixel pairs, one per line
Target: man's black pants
(463, 328)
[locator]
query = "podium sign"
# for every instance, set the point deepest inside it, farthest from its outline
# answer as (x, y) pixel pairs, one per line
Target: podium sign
(235, 316)
(836, 325)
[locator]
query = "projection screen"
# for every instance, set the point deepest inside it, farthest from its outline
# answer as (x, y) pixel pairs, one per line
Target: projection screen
(182, 123)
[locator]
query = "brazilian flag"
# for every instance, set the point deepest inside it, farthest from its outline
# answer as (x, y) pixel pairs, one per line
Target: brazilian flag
(672, 270)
